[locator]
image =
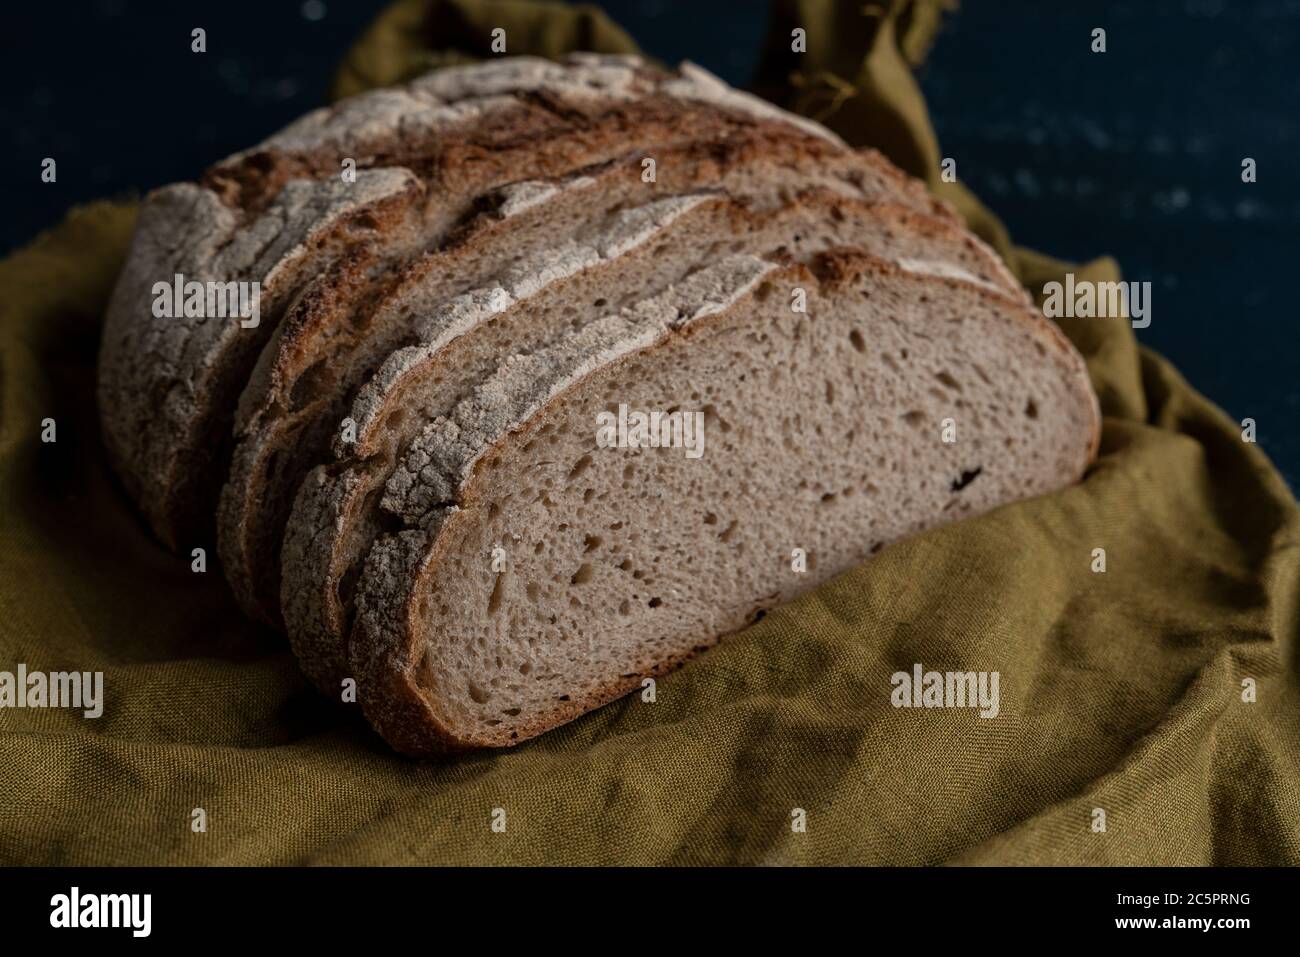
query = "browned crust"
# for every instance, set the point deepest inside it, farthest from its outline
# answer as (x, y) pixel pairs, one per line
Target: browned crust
(390, 694)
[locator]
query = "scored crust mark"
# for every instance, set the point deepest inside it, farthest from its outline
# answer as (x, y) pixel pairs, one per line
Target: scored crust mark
(343, 507)
(451, 655)
(404, 125)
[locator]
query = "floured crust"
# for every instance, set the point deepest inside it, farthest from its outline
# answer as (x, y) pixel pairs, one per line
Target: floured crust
(385, 644)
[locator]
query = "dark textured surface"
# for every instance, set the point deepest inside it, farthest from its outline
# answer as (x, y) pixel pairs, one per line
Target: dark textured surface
(1135, 152)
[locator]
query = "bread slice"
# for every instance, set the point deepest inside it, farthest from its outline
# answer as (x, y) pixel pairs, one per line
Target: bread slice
(348, 321)
(823, 431)
(283, 213)
(341, 508)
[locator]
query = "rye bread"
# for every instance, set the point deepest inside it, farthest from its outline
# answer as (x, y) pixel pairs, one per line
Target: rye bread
(282, 214)
(374, 481)
(353, 316)
(823, 431)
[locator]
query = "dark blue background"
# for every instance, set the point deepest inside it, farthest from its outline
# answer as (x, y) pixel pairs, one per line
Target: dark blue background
(1136, 153)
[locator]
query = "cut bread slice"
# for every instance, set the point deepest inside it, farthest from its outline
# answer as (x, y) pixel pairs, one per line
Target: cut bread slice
(352, 317)
(341, 508)
(287, 211)
(560, 566)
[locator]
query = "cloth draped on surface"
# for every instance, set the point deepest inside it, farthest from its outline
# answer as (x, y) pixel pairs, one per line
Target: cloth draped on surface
(1162, 692)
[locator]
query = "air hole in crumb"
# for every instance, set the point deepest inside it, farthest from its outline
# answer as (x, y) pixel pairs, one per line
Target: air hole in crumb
(948, 380)
(582, 575)
(655, 602)
(579, 467)
(965, 479)
(494, 600)
(710, 518)
(591, 543)
(478, 695)
(1031, 409)
(914, 418)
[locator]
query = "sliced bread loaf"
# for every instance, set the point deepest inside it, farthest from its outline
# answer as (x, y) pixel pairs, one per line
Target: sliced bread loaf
(285, 212)
(376, 478)
(559, 569)
(353, 316)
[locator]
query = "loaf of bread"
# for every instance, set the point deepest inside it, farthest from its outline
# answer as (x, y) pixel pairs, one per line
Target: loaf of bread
(417, 460)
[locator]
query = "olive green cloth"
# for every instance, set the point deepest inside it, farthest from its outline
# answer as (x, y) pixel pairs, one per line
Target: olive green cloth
(1120, 691)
